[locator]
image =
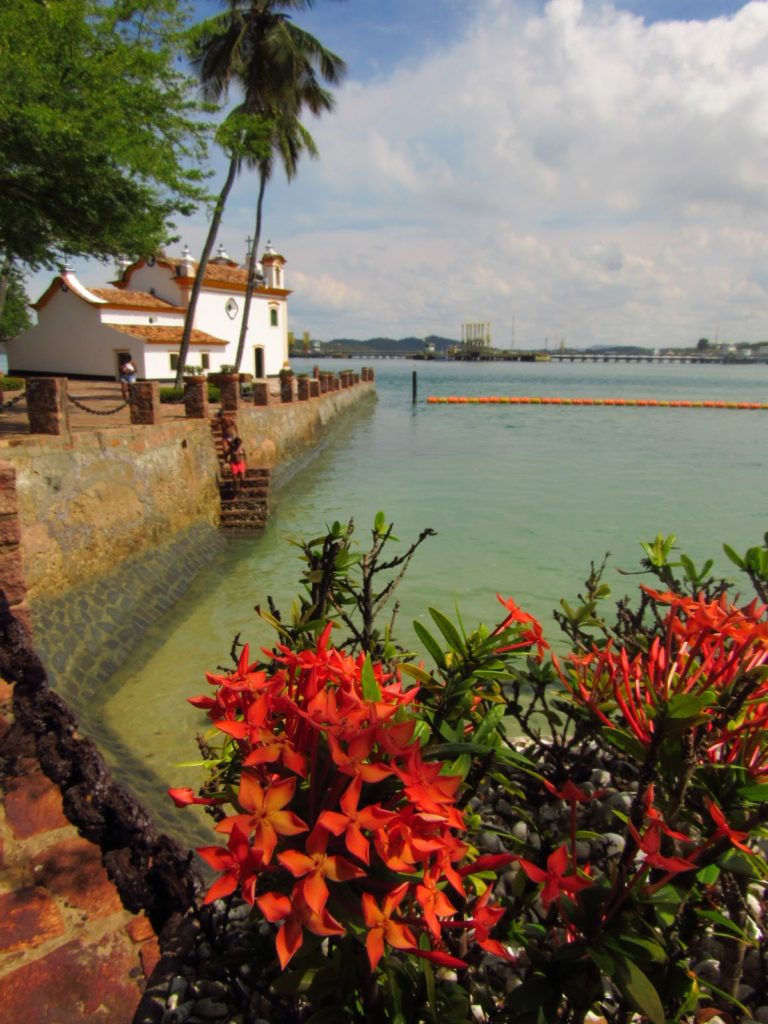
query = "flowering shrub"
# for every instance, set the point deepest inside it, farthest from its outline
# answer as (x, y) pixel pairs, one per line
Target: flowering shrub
(416, 857)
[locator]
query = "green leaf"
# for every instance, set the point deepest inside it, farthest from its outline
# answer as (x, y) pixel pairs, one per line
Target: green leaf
(637, 948)
(755, 794)
(638, 989)
(416, 673)
(489, 723)
(726, 924)
(625, 742)
(708, 875)
(449, 631)
(370, 687)
(380, 523)
(461, 766)
(431, 645)
(689, 705)
(734, 557)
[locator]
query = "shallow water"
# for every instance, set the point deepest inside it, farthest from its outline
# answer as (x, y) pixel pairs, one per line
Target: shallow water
(521, 497)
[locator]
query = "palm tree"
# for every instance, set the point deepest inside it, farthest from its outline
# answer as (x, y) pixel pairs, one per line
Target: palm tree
(288, 139)
(278, 67)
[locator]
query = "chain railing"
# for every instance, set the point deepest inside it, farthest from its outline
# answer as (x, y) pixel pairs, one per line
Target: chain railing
(5, 406)
(97, 412)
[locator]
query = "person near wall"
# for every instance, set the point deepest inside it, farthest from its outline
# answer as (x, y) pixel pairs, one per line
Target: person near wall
(234, 453)
(127, 375)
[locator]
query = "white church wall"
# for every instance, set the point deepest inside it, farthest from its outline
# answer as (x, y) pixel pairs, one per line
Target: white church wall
(69, 338)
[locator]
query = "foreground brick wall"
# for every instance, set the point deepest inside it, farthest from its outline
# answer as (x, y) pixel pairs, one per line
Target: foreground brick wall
(69, 951)
(75, 847)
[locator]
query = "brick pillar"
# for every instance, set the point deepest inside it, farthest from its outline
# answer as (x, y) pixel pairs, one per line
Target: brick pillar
(371, 374)
(229, 384)
(337, 383)
(355, 378)
(314, 388)
(344, 378)
(286, 389)
(47, 405)
(303, 388)
(144, 399)
(261, 395)
(13, 586)
(316, 372)
(196, 398)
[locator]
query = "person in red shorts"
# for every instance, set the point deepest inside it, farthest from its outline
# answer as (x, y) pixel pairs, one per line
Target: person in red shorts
(236, 456)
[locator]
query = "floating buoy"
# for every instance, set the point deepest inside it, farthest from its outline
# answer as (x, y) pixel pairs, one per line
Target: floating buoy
(635, 403)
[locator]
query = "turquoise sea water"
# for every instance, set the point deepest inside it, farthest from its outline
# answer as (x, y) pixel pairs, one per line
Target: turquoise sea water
(521, 497)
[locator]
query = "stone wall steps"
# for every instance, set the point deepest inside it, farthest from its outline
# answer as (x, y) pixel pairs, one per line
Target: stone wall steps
(245, 511)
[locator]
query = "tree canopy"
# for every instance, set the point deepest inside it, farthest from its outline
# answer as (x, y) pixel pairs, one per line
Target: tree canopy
(101, 140)
(15, 316)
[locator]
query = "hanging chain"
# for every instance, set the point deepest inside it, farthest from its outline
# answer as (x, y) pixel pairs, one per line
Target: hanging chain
(97, 412)
(14, 401)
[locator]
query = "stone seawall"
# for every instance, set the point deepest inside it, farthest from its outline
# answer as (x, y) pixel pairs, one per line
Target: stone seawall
(277, 435)
(91, 500)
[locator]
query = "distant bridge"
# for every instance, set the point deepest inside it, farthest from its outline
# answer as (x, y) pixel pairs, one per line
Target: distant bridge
(622, 357)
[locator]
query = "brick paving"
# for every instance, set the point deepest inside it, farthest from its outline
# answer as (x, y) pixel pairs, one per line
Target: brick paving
(69, 952)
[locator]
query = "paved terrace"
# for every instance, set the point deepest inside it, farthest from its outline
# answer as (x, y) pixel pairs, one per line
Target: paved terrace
(101, 396)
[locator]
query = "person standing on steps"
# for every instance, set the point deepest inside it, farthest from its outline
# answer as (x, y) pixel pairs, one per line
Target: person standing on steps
(236, 457)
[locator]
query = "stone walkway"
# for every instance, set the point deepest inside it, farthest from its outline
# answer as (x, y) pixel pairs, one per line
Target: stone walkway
(69, 952)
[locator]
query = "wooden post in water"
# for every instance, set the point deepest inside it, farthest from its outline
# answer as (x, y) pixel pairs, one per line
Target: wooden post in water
(414, 387)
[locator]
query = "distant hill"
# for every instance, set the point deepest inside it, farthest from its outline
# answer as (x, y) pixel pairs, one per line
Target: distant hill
(383, 346)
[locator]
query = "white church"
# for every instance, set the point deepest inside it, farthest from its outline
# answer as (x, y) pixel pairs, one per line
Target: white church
(87, 332)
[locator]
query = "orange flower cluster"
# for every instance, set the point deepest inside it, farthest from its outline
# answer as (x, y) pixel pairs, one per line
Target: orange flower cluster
(335, 791)
(708, 658)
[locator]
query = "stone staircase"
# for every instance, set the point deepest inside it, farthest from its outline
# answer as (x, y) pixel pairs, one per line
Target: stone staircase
(246, 511)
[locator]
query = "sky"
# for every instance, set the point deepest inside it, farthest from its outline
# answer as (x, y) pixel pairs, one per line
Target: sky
(573, 172)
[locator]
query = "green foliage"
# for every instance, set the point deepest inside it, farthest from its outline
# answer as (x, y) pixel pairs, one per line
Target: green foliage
(15, 316)
(100, 140)
(169, 395)
(665, 698)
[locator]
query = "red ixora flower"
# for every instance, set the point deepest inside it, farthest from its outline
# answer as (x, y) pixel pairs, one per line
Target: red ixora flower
(554, 878)
(354, 819)
(724, 830)
(532, 633)
(263, 813)
(295, 915)
(238, 862)
(314, 866)
(381, 927)
(649, 844)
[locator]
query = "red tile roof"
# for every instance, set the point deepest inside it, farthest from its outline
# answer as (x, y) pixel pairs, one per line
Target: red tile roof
(166, 335)
(120, 297)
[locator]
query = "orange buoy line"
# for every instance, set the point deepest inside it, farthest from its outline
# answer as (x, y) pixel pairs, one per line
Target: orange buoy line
(528, 400)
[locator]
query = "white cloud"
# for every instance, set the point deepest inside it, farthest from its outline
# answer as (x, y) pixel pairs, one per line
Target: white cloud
(570, 168)
(575, 168)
